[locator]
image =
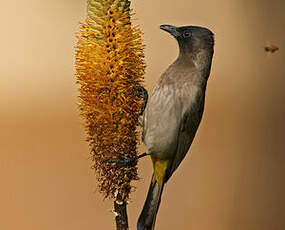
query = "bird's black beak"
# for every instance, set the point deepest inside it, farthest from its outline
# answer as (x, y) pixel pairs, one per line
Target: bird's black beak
(170, 29)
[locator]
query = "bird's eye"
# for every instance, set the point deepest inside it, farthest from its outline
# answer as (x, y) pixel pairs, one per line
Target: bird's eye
(186, 34)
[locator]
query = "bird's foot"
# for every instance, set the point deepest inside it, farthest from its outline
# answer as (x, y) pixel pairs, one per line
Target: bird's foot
(142, 93)
(124, 162)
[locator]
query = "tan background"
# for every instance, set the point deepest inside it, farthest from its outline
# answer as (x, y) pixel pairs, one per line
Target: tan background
(234, 178)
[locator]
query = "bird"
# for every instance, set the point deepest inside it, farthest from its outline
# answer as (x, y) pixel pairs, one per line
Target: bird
(174, 110)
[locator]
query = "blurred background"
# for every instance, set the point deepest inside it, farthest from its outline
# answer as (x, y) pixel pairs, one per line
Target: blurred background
(234, 177)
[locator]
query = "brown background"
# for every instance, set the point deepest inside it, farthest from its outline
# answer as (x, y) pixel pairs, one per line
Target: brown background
(234, 178)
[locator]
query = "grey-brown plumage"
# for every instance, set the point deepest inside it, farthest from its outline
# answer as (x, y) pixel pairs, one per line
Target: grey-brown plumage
(174, 111)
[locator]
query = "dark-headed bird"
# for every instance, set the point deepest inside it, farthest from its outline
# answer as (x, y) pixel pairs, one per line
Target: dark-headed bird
(174, 111)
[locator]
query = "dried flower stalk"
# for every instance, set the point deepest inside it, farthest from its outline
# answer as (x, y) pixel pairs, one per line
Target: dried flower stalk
(109, 63)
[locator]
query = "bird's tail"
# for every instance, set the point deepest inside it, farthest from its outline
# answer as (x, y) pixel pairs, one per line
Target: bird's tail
(147, 217)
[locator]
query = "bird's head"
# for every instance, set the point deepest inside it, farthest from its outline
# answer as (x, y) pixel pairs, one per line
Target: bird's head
(191, 38)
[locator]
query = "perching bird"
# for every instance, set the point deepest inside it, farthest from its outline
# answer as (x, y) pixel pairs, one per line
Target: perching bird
(174, 111)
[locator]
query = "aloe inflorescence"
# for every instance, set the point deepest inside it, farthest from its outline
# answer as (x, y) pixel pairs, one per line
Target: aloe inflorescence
(109, 64)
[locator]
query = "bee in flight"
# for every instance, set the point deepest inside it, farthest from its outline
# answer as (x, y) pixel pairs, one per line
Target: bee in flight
(271, 48)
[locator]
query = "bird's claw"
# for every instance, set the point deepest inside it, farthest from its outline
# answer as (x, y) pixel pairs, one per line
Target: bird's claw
(141, 92)
(127, 161)
(124, 162)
